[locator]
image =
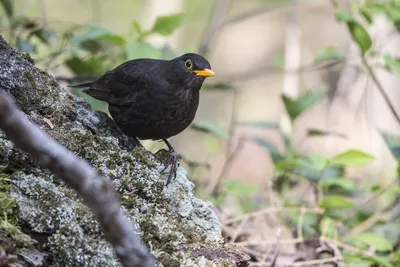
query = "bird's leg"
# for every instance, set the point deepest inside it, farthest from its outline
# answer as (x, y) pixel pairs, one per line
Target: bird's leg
(174, 161)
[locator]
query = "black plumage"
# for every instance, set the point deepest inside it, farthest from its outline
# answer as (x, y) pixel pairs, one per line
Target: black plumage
(153, 99)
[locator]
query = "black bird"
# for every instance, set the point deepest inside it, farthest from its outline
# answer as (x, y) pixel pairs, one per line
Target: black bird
(153, 99)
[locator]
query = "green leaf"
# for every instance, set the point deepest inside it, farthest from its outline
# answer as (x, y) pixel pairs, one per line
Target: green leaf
(360, 36)
(393, 143)
(343, 15)
(261, 124)
(166, 25)
(374, 240)
(312, 132)
(336, 202)
(136, 26)
(113, 38)
(94, 65)
(44, 35)
(352, 158)
(275, 154)
(8, 8)
(285, 165)
(295, 107)
(328, 53)
(392, 63)
(357, 260)
(142, 50)
(310, 166)
(366, 14)
(91, 32)
(341, 182)
(94, 35)
(211, 128)
(382, 261)
(332, 171)
(393, 13)
(316, 161)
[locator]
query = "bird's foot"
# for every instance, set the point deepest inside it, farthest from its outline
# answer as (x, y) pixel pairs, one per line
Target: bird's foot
(173, 161)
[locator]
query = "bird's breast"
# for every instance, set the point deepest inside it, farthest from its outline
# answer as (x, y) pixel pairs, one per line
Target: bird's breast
(157, 115)
(179, 108)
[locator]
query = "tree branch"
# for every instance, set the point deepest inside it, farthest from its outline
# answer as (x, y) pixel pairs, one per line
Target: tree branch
(97, 191)
(378, 84)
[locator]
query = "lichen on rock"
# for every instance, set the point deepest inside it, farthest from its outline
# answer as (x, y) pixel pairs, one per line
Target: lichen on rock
(46, 223)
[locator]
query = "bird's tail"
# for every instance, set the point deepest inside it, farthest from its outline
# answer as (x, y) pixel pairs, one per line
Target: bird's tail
(92, 89)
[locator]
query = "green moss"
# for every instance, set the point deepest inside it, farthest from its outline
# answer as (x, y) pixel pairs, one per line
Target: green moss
(85, 144)
(12, 239)
(31, 79)
(28, 57)
(142, 156)
(129, 201)
(167, 260)
(7, 202)
(68, 192)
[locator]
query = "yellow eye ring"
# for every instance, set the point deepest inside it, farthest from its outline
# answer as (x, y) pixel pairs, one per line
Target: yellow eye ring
(189, 64)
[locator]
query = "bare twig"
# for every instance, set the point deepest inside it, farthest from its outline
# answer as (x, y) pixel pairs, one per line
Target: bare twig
(97, 191)
(365, 225)
(372, 199)
(216, 21)
(277, 248)
(229, 153)
(213, 188)
(378, 84)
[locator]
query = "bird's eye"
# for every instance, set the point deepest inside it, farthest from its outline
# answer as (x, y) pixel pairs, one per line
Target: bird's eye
(188, 64)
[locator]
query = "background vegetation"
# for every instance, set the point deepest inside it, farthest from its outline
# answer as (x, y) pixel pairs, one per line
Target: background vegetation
(321, 196)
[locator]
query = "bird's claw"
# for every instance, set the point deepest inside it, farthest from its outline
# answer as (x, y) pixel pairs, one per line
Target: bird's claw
(173, 162)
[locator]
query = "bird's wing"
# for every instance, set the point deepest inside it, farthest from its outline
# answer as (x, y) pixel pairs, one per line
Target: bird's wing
(121, 85)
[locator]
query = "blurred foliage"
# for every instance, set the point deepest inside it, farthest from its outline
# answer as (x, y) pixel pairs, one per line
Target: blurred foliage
(23, 32)
(90, 50)
(333, 190)
(243, 193)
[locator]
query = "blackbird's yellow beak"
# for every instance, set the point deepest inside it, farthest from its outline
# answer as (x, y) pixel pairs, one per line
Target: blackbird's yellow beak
(204, 73)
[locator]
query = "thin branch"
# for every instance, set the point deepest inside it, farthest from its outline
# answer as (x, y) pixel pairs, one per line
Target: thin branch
(229, 153)
(97, 191)
(216, 21)
(378, 84)
(277, 248)
(213, 188)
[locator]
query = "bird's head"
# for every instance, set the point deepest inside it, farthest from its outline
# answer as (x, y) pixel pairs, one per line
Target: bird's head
(197, 65)
(192, 68)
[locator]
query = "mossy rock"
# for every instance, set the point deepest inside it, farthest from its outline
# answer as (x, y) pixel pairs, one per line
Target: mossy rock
(44, 223)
